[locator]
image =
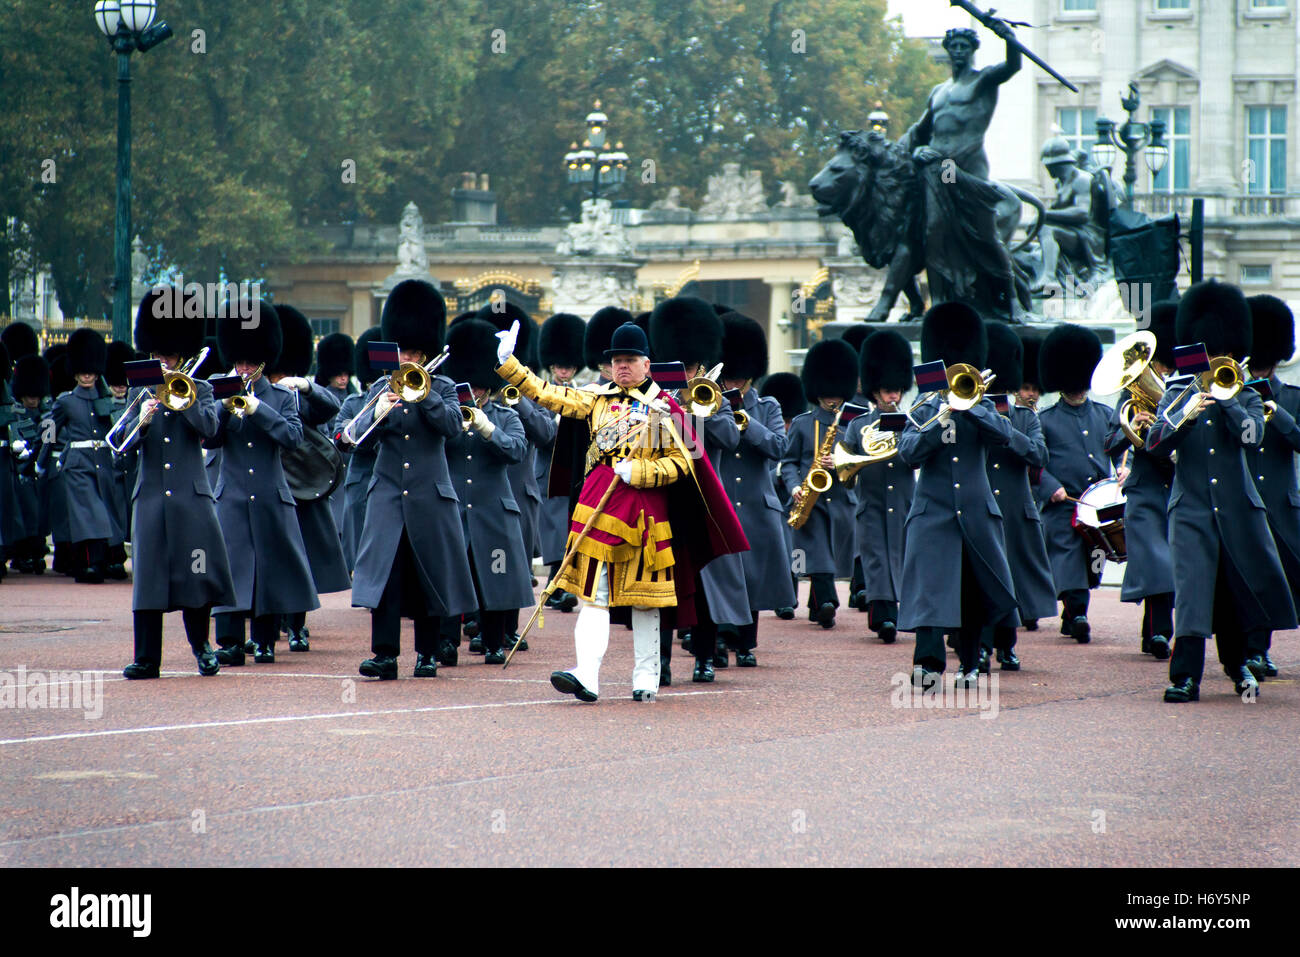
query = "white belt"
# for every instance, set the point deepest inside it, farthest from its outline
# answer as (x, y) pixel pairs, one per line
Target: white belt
(88, 444)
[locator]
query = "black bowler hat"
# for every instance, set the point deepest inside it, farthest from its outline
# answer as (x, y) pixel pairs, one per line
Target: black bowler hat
(628, 340)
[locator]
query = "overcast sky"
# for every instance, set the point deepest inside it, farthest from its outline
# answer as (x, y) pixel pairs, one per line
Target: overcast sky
(929, 18)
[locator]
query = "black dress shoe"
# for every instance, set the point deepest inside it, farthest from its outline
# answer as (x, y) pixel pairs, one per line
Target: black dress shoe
(425, 667)
(1080, 630)
(249, 647)
(703, 671)
(234, 657)
(1183, 690)
(140, 669)
(569, 602)
(115, 572)
(298, 640)
(383, 667)
(510, 642)
(447, 653)
(556, 601)
(1244, 683)
(1031, 625)
(925, 679)
(648, 696)
(476, 645)
(860, 600)
(1160, 647)
(1008, 660)
(1146, 646)
(207, 661)
(1065, 627)
(265, 655)
(1255, 664)
(497, 657)
(721, 656)
(471, 628)
(966, 679)
(985, 665)
(665, 672)
(686, 641)
(1270, 669)
(826, 615)
(567, 683)
(89, 576)
(785, 614)
(888, 632)
(746, 659)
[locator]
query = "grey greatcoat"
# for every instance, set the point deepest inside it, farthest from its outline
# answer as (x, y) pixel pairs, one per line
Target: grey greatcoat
(256, 509)
(1272, 466)
(1076, 448)
(360, 466)
(87, 474)
(539, 429)
(954, 508)
(410, 489)
(553, 515)
(179, 551)
(1008, 469)
(1150, 569)
(320, 535)
(491, 518)
(825, 544)
(884, 491)
(723, 578)
(1215, 509)
(27, 492)
(746, 475)
(339, 498)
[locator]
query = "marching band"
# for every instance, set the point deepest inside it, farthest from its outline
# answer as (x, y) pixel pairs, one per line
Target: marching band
(665, 481)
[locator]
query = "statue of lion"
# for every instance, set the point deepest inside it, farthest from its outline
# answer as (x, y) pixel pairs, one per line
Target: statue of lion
(872, 185)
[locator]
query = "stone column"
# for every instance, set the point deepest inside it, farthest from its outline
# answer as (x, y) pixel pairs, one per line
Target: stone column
(1218, 130)
(780, 333)
(584, 284)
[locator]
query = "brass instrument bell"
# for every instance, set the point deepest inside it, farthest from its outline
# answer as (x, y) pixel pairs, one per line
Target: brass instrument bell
(1127, 366)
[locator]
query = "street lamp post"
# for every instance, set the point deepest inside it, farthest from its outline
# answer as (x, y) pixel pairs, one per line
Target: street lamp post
(878, 119)
(586, 167)
(129, 26)
(1132, 138)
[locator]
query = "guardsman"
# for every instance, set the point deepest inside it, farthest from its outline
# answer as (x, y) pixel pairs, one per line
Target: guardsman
(479, 458)
(268, 560)
(335, 367)
(1228, 579)
(746, 475)
(31, 391)
(824, 547)
(1147, 478)
(412, 561)
(1272, 464)
(884, 489)
(8, 473)
(560, 344)
(955, 572)
(82, 418)
(50, 487)
(786, 388)
(1075, 430)
(360, 461)
(855, 335)
(317, 408)
(175, 533)
(1009, 469)
(124, 466)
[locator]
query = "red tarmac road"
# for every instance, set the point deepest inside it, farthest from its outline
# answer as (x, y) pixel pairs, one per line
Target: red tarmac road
(806, 760)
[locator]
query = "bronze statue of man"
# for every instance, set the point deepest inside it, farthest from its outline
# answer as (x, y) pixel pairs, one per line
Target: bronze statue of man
(1075, 235)
(965, 258)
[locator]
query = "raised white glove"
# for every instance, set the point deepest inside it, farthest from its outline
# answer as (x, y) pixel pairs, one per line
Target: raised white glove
(506, 348)
(623, 470)
(20, 448)
(480, 423)
(296, 382)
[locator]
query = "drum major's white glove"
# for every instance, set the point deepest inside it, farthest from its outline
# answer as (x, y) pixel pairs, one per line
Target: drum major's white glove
(506, 347)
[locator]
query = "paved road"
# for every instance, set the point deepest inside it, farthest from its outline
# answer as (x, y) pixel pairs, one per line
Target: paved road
(809, 759)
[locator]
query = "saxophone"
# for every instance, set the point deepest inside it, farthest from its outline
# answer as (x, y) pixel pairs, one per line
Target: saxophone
(817, 480)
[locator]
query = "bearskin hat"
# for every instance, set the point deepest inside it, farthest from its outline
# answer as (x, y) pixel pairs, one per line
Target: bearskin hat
(1006, 357)
(1274, 331)
(366, 373)
(260, 342)
(61, 380)
(20, 339)
(166, 335)
(722, 308)
(31, 377)
(954, 332)
(744, 347)
(830, 370)
(211, 364)
(786, 388)
(885, 363)
(415, 317)
(560, 341)
(334, 356)
(600, 328)
(6, 367)
(642, 322)
(87, 352)
(524, 345)
(1031, 343)
(119, 354)
(297, 349)
(1163, 318)
(1217, 314)
(473, 356)
(686, 329)
(855, 335)
(1067, 359)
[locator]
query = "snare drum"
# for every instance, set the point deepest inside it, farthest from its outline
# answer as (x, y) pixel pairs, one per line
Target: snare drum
(1099, 521)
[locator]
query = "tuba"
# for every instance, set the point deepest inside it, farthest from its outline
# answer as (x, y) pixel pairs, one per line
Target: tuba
(1128, 366)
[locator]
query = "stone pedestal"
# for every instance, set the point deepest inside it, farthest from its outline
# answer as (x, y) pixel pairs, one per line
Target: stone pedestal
(584, 284)
(856, 288)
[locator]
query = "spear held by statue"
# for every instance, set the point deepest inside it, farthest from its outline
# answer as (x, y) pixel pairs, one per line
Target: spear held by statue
(988, 20)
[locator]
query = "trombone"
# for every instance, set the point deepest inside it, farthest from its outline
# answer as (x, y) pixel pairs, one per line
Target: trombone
(966, 387)
(1225, 378)
(701, 395)
(412, 382)
(176, 393)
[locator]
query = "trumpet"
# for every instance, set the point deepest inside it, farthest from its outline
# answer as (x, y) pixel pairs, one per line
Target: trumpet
(742, 419)
(702, 396)
(966, 387)
(411, 382)
(176, 393)
(510, 395)
(467, 411)
(1225, 378)
(238, 404)
(1128, 366)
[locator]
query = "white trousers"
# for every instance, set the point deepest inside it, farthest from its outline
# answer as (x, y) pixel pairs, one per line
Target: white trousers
(591, 639)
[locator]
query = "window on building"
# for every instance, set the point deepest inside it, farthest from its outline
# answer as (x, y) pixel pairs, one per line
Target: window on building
(1266, 4)
(1078, 126)
(1079, 6)
(323, 327)
(1265, 149)
(1256, 275)
(1176, 175)
(1173, 4)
